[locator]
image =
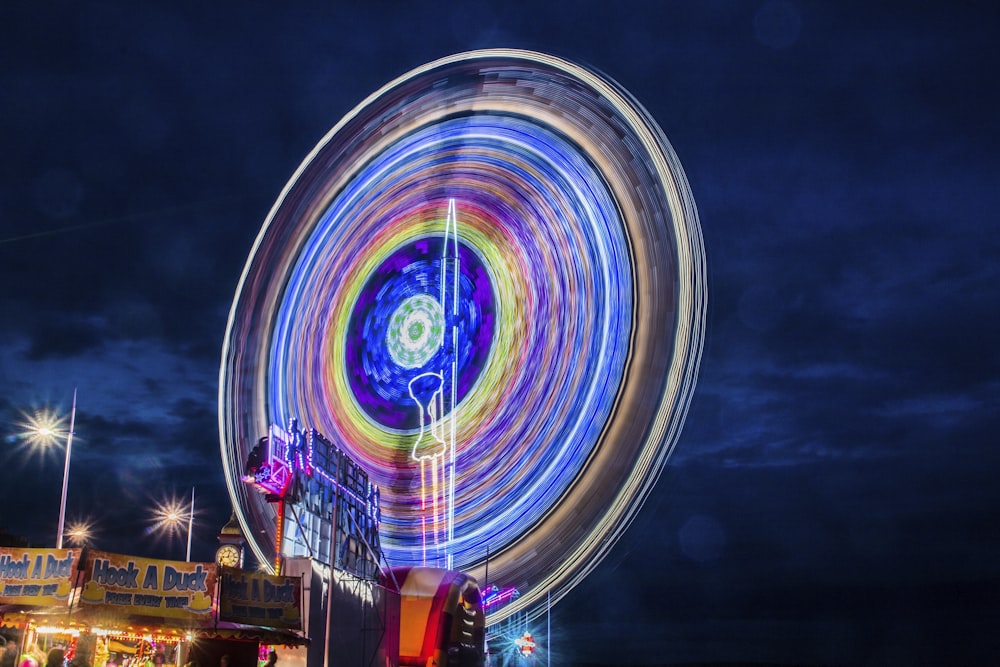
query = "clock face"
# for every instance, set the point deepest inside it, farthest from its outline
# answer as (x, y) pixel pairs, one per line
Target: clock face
(228, 556)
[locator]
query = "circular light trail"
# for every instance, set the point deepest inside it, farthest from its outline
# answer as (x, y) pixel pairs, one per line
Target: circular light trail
(415, 331)
(501, 243)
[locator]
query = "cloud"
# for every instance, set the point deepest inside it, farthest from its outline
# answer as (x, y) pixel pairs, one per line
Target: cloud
(834, 483)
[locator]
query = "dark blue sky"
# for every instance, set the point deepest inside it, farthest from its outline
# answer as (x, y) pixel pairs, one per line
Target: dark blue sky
(833, 498)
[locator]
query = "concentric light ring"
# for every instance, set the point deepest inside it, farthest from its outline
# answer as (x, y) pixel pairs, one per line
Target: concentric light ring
(577, 325)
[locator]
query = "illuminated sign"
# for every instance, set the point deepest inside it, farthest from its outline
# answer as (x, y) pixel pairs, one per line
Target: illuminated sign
(145, 587)
(273, 469)
(260, 599)
(37, 577)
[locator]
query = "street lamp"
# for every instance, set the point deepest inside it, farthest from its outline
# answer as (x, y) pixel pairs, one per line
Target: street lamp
(44, 429)
(79, 533)
(169, 516)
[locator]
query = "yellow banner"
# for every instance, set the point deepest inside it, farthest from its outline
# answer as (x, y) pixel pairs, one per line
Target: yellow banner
(147, 587)
(253, 598)
(37, 577)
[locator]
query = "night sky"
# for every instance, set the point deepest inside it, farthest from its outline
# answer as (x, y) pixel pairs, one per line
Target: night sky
(833, 498)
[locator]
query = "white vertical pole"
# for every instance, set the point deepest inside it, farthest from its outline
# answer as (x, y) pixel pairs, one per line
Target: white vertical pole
(69, 448)
(190, 523)
(451, 225)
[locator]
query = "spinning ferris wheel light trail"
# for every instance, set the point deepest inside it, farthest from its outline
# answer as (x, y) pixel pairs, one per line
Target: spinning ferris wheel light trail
(552, 333)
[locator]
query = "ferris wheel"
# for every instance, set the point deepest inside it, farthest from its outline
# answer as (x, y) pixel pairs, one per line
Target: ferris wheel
(487, 285)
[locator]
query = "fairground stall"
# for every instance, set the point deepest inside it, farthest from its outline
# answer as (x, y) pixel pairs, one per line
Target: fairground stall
(108, 610)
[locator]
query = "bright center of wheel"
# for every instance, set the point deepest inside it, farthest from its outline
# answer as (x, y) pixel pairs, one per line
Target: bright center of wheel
(415, 331)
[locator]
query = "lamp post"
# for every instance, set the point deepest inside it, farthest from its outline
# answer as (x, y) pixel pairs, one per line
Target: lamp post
(190, 523)
(65, 486)
(168, 517)
(44, 429)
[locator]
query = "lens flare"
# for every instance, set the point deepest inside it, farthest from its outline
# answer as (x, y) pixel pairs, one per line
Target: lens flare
(169, 517)
(79, 533)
